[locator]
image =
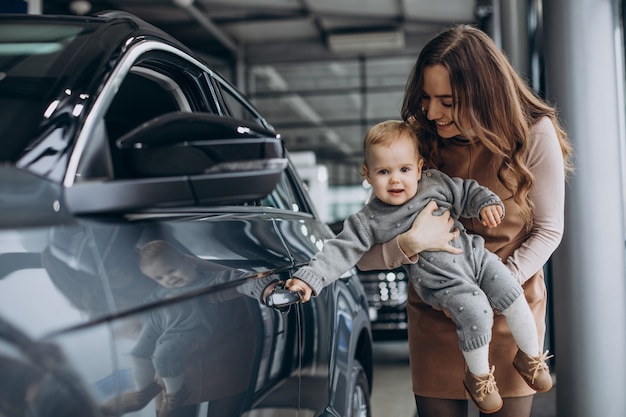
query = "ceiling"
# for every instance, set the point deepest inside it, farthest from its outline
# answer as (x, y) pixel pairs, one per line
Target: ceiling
(321, 71)
(267, 30)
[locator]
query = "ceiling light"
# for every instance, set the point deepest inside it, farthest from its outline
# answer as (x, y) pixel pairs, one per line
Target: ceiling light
(366, 41)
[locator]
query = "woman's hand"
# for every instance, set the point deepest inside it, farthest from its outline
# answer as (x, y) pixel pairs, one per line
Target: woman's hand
(429, 233)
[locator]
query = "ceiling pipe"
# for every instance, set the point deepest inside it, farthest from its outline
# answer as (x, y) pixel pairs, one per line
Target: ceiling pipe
(205, 22)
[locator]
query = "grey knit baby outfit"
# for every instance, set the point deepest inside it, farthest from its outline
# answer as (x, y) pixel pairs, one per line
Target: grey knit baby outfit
(468, 286)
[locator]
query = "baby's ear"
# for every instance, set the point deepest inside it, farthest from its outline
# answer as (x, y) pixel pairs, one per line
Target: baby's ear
(420, 165)
(366, 173)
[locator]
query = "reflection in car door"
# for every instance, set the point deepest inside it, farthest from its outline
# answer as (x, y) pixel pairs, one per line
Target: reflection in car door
(225, 351)
(53, 288)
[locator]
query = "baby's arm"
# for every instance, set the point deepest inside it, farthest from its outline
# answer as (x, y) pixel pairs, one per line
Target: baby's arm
(336, 257)
(304, 289)
(491, 216)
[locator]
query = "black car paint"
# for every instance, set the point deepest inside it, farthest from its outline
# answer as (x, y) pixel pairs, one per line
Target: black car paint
(71, 293)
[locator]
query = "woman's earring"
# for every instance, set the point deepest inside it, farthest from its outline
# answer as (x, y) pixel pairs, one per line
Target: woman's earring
(424, 111)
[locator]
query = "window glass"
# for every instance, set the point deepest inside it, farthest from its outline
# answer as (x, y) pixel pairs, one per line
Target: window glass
(287, 195)
(139, 99)
(283, 196)
(237, 107)
(158, 83)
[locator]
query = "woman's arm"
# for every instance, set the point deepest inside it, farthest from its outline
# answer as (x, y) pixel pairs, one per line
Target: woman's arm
(428, 233)
(545, 160)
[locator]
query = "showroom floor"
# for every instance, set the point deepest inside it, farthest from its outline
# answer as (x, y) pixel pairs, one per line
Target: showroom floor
(392, 394)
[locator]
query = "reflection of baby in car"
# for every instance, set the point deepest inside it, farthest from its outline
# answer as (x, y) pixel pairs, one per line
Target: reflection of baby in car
(169, 332)
(188, 343)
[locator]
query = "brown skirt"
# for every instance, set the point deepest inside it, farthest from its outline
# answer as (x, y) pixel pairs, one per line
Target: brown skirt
(437, 364)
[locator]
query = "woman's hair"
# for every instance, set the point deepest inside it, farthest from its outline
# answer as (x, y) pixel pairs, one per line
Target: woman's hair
(489, 95)
(386, 133)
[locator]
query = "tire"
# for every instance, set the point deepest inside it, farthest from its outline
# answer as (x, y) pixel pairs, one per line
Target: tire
(360, 397)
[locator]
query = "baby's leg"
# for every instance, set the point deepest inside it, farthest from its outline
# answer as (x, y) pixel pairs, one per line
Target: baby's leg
(173, 383)
(507, 295)
(146, 389)
(470, 310)
(477, 360)
(143, 372)
(520, 320)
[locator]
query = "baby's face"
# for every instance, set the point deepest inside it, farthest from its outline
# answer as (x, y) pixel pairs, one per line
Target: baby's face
(171, 272)
(394, 171)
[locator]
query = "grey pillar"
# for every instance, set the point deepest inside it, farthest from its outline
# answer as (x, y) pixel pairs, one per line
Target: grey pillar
(514, 34)
(584, 77)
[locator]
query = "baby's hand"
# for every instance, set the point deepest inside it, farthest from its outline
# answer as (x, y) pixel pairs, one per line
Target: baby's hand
(295, 284)
(491, 216)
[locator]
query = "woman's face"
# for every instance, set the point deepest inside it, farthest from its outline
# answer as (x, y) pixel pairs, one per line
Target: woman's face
(437, 101)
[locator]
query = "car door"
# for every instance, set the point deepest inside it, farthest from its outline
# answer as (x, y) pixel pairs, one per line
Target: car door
(231, 351)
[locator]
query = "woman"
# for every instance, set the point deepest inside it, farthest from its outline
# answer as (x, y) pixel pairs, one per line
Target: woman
(476, 118)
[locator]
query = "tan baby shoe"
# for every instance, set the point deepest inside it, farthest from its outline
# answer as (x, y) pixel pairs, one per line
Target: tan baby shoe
(172, 402)
(483, 391)
(534, 370)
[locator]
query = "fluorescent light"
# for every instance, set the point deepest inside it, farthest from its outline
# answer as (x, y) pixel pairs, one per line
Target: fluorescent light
(366, 41)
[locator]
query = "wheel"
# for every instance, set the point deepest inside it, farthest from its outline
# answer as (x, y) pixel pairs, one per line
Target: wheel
(360, 404)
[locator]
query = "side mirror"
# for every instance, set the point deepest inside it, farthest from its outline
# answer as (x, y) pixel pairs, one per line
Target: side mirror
(196, 144)
(185, 159)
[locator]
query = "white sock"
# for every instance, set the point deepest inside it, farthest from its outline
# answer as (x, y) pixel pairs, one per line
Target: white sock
(522, 324)
(173, 383)
(477, 360)
(143, 372)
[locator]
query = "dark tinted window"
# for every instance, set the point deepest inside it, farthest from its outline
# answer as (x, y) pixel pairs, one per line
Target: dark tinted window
(235, 105)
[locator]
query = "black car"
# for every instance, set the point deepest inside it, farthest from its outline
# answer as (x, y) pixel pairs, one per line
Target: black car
(148, 217)
(387, 299)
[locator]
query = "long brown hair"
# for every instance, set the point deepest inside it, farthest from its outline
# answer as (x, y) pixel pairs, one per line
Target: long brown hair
(490, 95)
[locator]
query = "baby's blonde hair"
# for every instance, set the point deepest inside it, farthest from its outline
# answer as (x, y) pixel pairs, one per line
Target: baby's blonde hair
(158, 249)
(386, 133)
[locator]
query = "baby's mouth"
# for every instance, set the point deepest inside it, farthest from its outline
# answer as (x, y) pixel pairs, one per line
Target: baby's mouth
(176, 282)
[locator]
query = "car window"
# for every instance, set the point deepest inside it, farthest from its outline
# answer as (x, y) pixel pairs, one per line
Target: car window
(287, 195)
(236, 106)
(281, 197)
(154, 87)
(156, 84)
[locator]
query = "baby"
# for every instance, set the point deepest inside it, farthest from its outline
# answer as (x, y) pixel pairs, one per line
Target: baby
(168, 332)
(467, 286)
